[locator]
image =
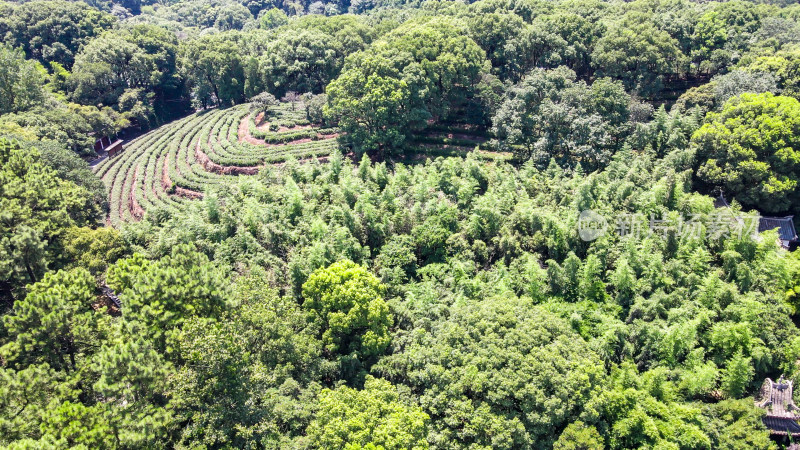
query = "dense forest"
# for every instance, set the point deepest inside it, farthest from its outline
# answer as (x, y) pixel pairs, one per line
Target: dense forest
(388, 224)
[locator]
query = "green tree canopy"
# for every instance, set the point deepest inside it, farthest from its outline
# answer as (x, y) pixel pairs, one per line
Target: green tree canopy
(53, 30)
(214, 68)
(376, 416)
(420, 71)
(161, 295)
(752, 150)
(36, 209)
(639, 54)
(550, 115)
(480, 395)
(54, 324)
(133, 69)
(21, 82)
(308, 53)
(252, 377)
(348, 303)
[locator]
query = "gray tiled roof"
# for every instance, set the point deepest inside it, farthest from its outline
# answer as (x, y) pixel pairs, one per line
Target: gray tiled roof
(776, 399)
(782, 425)
(785, 226)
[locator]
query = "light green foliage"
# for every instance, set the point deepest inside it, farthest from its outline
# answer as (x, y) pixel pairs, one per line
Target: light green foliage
(69, 166)
(579, 34)
(60, 124)
(272, 18)
(315, 107)
(21, 82)
(667, 131)
(784, 65)
(348, 303)
(193, 15)
(443, 252)
(130, 378)
(27, 394)
(751, 149)
(503, 38)
(308, 53)
(701, 98)
(461, 244)
(397, 262)
(793, 288)
(92, 249)
(721, 31)
(262, 102)
(738, 82)
(301, 60)
(121, 409)
(636, 411)
(368, 109)
(106, 67)
(133, 70)
(215, 70)
(736, 424)
(713, 95)
(75, 424)
(737, 376)
(232, 16)
(579, 436)
(374, 416)
(54, 358)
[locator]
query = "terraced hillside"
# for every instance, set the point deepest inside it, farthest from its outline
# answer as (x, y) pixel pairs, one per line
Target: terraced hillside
(179, 162)
(455, 139)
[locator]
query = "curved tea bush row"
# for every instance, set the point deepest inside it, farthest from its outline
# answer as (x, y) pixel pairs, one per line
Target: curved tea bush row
(228, 150)
(169, 167)
(282, 115)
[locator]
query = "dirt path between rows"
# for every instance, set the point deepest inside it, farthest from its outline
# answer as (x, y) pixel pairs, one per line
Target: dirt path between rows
(133, 205)
(166, 183)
